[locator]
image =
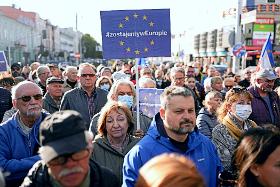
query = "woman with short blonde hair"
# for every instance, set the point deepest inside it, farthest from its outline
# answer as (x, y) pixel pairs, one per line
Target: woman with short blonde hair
(114, 139)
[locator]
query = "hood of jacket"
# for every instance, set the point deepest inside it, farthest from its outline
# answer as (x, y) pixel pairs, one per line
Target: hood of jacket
(104, 143)
(158, 133)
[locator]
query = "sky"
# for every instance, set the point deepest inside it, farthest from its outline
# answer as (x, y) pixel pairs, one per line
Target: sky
(189, 17)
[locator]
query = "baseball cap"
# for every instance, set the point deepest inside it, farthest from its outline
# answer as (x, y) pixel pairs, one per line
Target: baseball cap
(266, 73)
(54, 80)
(16, 65)
(61, 133)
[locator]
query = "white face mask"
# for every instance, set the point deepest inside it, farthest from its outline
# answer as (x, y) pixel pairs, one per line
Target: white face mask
(243, 111)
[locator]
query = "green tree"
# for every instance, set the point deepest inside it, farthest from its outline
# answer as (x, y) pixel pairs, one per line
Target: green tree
(89, 47)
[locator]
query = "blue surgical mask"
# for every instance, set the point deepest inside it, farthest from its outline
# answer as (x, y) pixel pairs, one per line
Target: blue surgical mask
(126, 99)
(105, 87)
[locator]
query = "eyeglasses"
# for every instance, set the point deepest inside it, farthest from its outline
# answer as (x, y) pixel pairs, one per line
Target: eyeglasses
(28, 98)
(237, 89)
(86, 75)
(60, 160)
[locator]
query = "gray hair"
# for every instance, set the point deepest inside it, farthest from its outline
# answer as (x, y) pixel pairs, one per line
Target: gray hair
(81, 66)
(172, 91)
(114, 88)
(174, 70)
(16, 87)
(211, 95)
(145, 80)
(41, 69)
(69, 68)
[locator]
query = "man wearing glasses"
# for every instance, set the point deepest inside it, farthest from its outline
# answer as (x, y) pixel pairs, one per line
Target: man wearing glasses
(85, 99)
(65, 152)
(266, 102)
(19, 134)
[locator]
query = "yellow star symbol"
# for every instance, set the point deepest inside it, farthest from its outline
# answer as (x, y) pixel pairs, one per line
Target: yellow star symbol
(121, 42)
(146, 49)
(152, 42)
(151, 24)
(144, 17)
(120, 25)
(126, 18)
(137, 52)
(128, 49)
(135, 15)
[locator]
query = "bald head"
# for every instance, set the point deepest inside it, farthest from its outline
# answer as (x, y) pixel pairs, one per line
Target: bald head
(22, 86)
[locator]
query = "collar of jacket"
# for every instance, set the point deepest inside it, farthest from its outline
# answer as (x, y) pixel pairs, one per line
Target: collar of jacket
(157, 132)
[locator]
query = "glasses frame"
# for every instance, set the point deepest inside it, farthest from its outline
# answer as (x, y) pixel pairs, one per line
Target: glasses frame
(88, 75)
(27, 98)
(62, 159)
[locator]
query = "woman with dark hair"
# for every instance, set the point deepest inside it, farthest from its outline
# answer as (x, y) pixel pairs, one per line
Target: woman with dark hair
(233, 117)
(113, 140)
(257, 158)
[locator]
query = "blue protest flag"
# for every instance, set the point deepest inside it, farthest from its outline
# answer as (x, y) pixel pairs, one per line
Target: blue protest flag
(143, 62)
(135, 33)
(3, 62)
(266, 59)
(149, 101)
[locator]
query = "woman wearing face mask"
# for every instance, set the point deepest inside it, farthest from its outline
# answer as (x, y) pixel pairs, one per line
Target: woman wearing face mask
(233, 117)
(114, 137)
(104, 83)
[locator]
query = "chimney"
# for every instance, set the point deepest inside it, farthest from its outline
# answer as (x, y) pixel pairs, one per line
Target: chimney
(13, 6)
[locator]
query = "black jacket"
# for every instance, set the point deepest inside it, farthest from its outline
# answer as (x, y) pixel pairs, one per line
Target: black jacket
(38, 176)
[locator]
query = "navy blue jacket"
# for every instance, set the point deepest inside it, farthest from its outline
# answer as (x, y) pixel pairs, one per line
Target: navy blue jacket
(5, 102)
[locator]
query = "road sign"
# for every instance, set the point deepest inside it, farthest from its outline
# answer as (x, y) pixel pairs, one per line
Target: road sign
(238, 50)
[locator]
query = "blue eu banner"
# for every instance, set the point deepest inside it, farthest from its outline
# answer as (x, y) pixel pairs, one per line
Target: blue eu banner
(135, 33)
(149, 102)
(3, 62)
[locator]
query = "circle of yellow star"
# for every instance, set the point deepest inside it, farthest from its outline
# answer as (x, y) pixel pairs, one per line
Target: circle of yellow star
(120, 25)
(121, 43)
(126, 18)
(135, 15)
(128, 49)
(144, 17)
(152, 42)
(151, 24)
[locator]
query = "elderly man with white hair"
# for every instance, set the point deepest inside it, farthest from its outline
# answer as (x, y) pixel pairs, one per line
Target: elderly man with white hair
(19, 135)
(145, 82)
(71, 81)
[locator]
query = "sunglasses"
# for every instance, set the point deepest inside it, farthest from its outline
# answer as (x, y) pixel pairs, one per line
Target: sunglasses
(237, 89)
(85, 75)
(28, 98)
(60, 160)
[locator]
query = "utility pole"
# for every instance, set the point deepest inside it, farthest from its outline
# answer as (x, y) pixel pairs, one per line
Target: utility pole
(236, 61)
(80, 39)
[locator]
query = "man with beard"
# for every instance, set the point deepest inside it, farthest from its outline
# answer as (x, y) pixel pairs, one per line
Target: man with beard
(65, 152)
(265, 103)
(174, 131)
(19, 135)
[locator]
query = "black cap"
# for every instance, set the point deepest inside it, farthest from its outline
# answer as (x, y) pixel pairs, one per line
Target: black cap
(54, 80)
(16, 65)
(61, 133)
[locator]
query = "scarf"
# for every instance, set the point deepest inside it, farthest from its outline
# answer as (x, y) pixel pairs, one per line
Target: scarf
(233, 129)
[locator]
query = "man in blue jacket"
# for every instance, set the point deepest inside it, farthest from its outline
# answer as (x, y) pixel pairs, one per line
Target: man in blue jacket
(19, 135)
(174, 130)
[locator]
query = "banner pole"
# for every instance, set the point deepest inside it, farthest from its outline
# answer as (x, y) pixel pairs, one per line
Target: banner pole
(137, 96)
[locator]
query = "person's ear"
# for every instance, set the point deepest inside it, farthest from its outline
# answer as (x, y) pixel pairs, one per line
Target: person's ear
(162, 113)
(14, 103)
(255, 170)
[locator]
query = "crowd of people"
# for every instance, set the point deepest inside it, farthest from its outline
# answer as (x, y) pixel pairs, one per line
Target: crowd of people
(78, 126)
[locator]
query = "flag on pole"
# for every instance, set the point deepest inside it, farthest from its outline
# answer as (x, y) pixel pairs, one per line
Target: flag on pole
(143, 62)
(266, 59)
